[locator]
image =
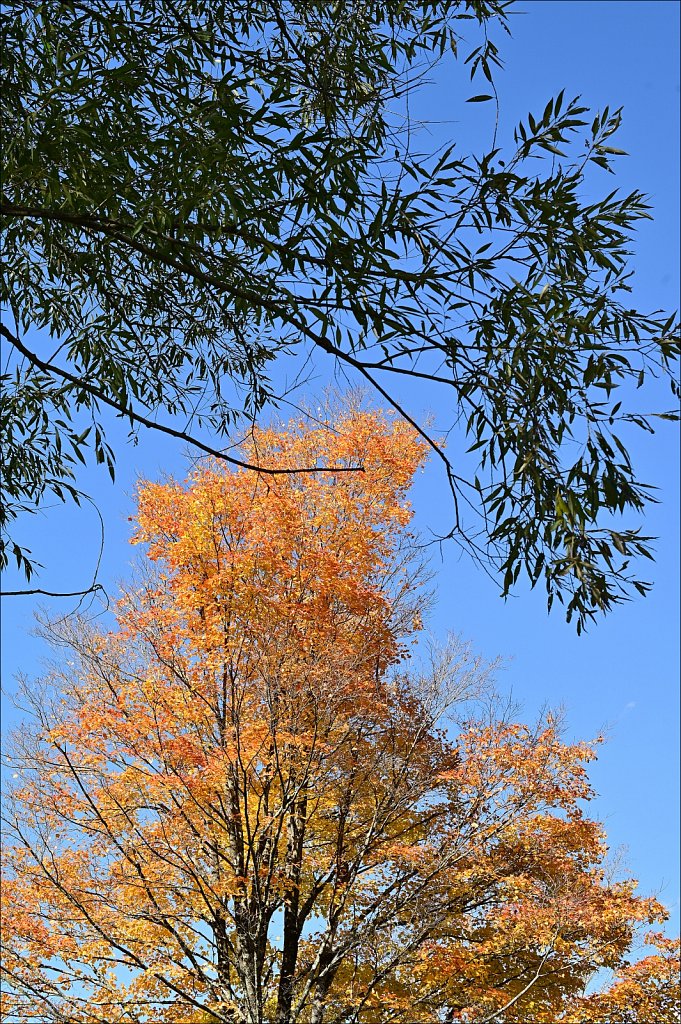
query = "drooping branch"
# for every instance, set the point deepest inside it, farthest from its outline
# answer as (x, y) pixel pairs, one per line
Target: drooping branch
(127, 411)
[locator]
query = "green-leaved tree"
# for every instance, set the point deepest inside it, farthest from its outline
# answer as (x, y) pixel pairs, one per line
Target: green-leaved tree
(193, 187)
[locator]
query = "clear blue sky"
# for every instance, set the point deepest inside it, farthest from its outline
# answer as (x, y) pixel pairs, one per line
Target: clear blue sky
(623, 675)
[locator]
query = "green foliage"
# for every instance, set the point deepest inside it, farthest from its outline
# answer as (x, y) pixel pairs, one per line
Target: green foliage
(191, 189)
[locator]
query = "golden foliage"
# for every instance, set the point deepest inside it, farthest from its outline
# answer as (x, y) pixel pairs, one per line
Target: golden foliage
(241, 804)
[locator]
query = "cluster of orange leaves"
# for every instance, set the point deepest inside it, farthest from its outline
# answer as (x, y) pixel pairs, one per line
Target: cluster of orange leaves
(248, 750)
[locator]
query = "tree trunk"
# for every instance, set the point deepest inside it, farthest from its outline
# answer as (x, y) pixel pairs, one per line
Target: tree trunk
(292, 923)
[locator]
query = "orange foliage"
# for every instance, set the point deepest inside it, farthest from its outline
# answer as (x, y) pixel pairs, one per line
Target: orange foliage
(241, 806)
(646, 992)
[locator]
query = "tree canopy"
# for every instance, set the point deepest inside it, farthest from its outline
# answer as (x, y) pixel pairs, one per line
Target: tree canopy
(247, 803)
(192, 189)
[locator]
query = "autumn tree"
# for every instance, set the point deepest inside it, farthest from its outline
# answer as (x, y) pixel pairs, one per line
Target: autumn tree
(246, 802)
(191, 189)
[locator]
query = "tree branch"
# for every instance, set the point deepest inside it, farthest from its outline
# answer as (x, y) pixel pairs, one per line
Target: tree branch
(53, 593)
(123, 410)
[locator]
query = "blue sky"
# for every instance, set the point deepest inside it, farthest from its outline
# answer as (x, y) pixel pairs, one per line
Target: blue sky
(622, 677)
